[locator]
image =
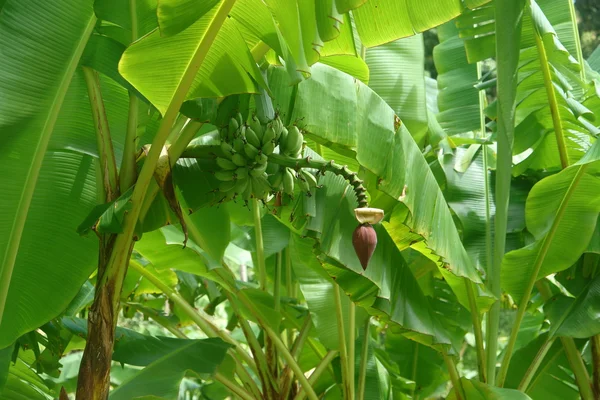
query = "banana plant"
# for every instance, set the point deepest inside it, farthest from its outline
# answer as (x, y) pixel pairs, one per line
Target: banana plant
(268, 200)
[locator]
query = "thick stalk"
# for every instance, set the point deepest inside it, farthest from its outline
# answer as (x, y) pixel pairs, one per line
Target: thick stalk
(533, 367)
(342, 339)
(552, 102)
(454, 378)
(260, 247)
(127, 173)
(476, 329)
(287, 356)
(415, 366)
(106, 152)
(351, 349)
(277, 284)
(316, 374)
(364, 354)
(580, 59)
(596, 364)
(509, 16)
(94, 371)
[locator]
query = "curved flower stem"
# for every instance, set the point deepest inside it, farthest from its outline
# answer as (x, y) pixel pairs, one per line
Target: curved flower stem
(364, 354)
(324, 166)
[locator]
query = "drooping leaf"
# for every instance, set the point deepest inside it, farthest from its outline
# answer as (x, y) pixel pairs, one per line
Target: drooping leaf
(175, 16)
(41, 46)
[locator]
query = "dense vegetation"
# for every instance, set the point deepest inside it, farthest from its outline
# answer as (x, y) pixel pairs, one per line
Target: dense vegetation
(272, 199)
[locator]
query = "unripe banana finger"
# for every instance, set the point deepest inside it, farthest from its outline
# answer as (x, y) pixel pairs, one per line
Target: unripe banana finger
(251, 151)
(227, 186)
(239, 160)
(268, 148)
(241, 172)
(224, 176)
(226, 164)
(310, 178)
(288, 182)
(258, 170)
(252, 138)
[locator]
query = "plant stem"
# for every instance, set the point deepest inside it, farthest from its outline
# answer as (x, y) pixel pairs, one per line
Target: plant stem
(259, 50)
(277, 284)
(342, 339)
(108, 166)
(94, 369)
(578, 367)
(280, 347)
(183, 139)
(552, 102)
(364, 354)
(415, 366)
(206, 326)
(537, 361)
(288, 288)
(541, 256)
(317, 372)
(454, 378)
(260, 248)
(235, 389)
(476, 329)
(286, 377)
(596, 364)
(264, 373)
(351, 348)
(127, 173)
(580, 59)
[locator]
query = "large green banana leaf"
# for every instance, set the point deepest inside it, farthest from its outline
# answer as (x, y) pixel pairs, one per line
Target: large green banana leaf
(396, 75)
(357, 122)
(535, 143)
(561, 213)
(553, 380)
(43, 193)
(473, 389)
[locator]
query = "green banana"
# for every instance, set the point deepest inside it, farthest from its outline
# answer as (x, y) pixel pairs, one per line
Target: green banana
(241, 172)
(224, 176)
(294, 141)
(225, 163)
(268, 148)
(283, 138)
(276, 179)
(238, 144)
(254, 123)
(234, 125)
(261, 159)
(303, 184)
(269, 134)
(240, 119)
(223, 133)
(252, 138)
(310, 178)
(247, 194)
(239, 160)
(240, 186)
(227, 149)
(258, 170)
(288, 182)
(251, 151)
(260, 186)
(227, 186)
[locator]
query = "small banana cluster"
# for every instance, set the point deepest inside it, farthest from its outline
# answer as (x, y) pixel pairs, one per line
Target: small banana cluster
(244, 169)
